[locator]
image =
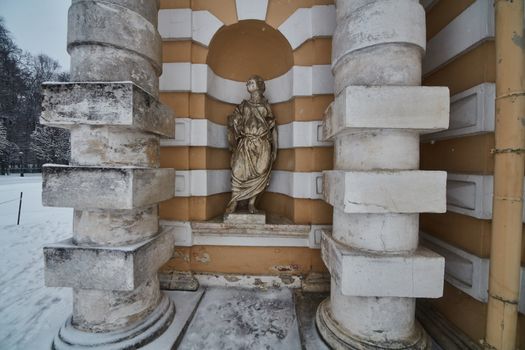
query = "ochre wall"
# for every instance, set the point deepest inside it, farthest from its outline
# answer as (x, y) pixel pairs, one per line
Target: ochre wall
(467, 155)
(238, 50)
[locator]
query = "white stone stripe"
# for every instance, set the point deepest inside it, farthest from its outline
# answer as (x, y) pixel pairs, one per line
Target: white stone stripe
(463, 270)
(199, 78)
(302, 134)
(185, 237)
(467, 272)
(297, 184)
(471, 112)
(471, 195)
(190, 183)
(307, 23)
(200, 26)
(197, 132)
(251, 9)
(185, 24)
(202, 132)
(471, 27)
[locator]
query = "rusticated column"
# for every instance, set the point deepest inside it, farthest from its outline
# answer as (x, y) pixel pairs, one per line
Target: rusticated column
(113, 181)
(376, 266)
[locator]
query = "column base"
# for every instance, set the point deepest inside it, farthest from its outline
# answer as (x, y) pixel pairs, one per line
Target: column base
(133, 337)
(339, 339)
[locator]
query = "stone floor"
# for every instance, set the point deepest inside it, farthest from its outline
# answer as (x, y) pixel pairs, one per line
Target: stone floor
(235, 318)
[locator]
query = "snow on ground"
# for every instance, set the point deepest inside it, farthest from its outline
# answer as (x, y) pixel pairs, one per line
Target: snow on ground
(27, 307)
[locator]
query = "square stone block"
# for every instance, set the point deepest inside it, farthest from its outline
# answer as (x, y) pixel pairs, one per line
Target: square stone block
(105, 188)
(358, 273)
(121, 268)
(411, 191)
(418, 108)
(99, 103)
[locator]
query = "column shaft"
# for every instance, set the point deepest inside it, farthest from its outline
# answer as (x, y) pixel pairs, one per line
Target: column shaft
(113, 180)
(375, 122)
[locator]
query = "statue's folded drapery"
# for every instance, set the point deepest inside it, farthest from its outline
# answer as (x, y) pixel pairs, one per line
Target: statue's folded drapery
(251, 131)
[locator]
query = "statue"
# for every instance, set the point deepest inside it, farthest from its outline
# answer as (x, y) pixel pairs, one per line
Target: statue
(252, 136)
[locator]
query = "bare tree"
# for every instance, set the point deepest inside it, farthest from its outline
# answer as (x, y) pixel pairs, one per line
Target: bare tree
(21, 77)
(9, 151)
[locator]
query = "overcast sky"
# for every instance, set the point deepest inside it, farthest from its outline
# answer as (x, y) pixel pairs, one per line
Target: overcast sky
(38, 26)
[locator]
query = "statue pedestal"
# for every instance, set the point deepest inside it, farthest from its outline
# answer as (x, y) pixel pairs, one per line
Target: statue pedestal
(245, 217)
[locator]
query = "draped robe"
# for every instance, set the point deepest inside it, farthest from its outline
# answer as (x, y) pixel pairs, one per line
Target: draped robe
(251, 128)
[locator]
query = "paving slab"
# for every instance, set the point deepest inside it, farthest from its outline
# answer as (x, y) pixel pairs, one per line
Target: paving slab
(306, 306)
(230, 318)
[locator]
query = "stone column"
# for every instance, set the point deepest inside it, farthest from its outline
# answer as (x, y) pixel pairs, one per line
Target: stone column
(376, 266)
(113, 180)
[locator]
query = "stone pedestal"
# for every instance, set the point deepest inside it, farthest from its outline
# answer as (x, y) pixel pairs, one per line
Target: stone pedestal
(245, 217)
(375, 188)
(113, 180)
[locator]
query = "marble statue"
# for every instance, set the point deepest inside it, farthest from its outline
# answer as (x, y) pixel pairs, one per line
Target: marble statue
(252, 137)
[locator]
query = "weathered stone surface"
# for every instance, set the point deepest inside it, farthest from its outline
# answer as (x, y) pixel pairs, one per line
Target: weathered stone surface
(105, 188)
(416, 108)
(245, 218)
(274, 228)
(105, 311)
(114, 227)
(112, 146)
(111, 104)
(178, 280)
(376, 323)
(141, 334)
(316, 282)
(367, 149)
(385, 233)
(377, 22)
(96, 63)
(305, 307)
(365, 274)
(121, 268)
(107, 24)
(375, 190)
(388, 64)
(258, 320)
(413, 191)
(147, 9)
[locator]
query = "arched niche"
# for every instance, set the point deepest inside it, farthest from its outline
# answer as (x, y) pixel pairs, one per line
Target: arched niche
(249, 47)
(235, 53)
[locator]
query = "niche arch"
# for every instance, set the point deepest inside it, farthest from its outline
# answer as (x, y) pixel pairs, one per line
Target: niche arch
(235, 53)
(249, 47)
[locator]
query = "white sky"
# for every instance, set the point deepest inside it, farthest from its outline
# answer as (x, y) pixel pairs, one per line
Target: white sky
(38, 26)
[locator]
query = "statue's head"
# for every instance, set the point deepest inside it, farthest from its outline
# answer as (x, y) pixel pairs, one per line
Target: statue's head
(255, 83)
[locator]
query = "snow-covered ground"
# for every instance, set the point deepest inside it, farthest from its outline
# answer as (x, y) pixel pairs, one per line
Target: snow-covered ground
(27, 308)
